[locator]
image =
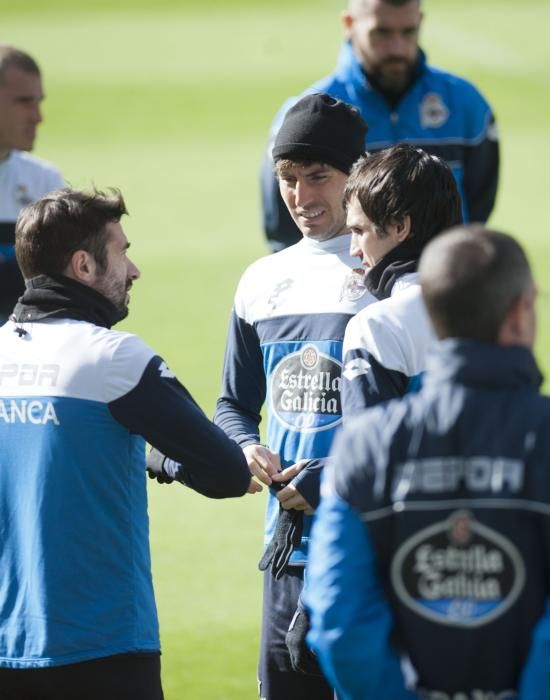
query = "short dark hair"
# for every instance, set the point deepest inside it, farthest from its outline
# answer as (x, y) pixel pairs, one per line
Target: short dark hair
(470, 278)
(10, 57)
(405, 181)
(50, 230)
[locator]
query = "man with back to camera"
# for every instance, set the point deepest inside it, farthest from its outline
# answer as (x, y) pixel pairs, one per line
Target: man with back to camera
(77, 402)
(23, 178)
(284, 348)
(396, 201)
(431, 547)
(383, 72)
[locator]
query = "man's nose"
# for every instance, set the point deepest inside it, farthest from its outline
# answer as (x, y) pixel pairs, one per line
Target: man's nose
(133, 271)
(302, 193)
(354, 247)
(36, 113)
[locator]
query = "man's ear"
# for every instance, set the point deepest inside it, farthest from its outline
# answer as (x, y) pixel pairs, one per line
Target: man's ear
(516, 328)
(510, 329)
(82, 267)
(401, 230)
(347, 22)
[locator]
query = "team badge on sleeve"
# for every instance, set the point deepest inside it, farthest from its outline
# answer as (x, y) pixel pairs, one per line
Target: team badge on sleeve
(458, 572)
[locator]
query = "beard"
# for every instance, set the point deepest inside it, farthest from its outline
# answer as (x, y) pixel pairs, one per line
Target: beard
(393, 75)
(116, 291)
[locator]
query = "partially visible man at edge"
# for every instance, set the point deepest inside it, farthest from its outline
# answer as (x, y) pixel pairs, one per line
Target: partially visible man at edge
(77, 402)
(23, 178)
(384, 73)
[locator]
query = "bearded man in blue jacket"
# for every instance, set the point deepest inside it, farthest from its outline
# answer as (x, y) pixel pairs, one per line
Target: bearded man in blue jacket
(383, 72)
(429, 566)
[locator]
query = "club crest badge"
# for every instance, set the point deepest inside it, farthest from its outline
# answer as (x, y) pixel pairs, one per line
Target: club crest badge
(458, 572)
(354, 285)
(22, 195)
(433, 111)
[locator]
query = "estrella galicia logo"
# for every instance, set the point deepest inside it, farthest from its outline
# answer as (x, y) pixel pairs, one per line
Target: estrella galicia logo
(305, 390)
(458, 572)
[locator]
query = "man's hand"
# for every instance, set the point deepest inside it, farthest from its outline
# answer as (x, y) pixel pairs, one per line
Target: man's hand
(289, 497)
(155, 467)
(263, 464)
(303, 660)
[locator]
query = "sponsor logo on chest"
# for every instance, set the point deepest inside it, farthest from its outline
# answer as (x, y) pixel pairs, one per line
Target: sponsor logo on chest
(458, 572)
(305, 390)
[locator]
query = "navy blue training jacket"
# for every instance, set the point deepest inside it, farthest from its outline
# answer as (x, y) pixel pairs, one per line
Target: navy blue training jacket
(431, 547)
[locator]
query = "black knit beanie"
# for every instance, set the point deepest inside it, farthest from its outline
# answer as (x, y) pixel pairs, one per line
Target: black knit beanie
(320, 128)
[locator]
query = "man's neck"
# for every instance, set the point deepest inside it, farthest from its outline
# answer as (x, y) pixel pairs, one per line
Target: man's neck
(4, 153)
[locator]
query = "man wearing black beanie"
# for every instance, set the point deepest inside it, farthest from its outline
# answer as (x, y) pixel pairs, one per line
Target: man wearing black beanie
(284, 349)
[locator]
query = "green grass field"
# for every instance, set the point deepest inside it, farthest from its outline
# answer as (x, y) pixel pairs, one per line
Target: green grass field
(171, 102)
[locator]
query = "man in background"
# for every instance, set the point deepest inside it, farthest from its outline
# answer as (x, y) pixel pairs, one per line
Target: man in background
(430, 558)
(383, 72)
(23, 178)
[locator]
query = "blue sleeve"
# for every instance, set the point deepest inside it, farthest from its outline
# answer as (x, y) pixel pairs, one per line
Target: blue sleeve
(366, 383)
(161, 410)
(243, 384)
(308, 481)
(351, 620)
(535, 677)
(481, 169)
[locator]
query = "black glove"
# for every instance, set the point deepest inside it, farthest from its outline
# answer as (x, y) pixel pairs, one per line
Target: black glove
(155, 467)
(286, 538)
(303, 660)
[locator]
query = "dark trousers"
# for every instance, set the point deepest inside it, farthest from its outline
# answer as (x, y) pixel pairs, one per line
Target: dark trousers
(120, 677)
(276, 678)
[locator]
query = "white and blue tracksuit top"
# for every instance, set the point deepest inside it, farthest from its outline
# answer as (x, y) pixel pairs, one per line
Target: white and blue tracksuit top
(75, 572)
(284, 348)
(386, 347)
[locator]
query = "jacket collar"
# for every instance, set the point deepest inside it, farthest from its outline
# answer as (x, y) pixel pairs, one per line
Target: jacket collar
(57, 296)
(399, 261)
(479, 364)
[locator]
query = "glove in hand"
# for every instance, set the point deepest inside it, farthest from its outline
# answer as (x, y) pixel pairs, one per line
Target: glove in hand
(303, 660)
(286, 538)
(155, 467)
